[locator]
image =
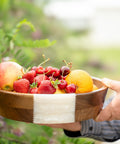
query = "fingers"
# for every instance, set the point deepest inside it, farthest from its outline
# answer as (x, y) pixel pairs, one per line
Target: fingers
(67, 126)
(105, 114)
(112, 84)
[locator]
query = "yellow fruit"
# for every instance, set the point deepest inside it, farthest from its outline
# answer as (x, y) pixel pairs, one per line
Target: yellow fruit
(94, 87)
(81, 79)
(58, 91)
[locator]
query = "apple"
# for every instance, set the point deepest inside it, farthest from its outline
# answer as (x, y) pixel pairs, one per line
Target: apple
(9, 72)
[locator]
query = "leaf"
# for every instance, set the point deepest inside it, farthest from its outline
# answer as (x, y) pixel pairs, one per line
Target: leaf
(13, 33)
(36, 44)
(55, 83)
(25, 22)
(11, 44)
(2, 34)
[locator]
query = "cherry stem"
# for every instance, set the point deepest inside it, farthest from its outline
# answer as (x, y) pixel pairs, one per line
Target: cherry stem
(65, 62)
(70, 65)
(52, 76)
(44, 62)
(27, 69)
(43, 56)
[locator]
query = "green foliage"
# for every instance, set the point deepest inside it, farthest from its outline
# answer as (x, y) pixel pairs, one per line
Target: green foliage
(40, 140)
(36, 43)
(12, 47)
(12, 34)
(66, 140)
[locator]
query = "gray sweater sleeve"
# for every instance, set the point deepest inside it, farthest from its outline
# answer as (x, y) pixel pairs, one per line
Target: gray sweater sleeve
(103, 131)
(108, 131)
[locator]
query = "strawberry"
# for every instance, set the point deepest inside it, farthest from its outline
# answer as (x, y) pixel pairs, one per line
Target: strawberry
(33, 88)
(46, 87)
(39, 78)
(21, 85)
(30, 76)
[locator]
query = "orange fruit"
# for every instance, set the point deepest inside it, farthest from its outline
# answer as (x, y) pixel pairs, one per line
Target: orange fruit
(94, 87)
(81, 79)
(58, 91)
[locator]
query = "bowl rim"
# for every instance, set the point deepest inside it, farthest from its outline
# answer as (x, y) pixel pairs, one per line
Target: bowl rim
(103, 88)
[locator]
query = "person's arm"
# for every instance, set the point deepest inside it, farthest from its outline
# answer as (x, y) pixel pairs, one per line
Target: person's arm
(108, 131)
(112, 110)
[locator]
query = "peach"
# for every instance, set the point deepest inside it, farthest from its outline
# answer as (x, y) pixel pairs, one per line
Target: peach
(9, 72)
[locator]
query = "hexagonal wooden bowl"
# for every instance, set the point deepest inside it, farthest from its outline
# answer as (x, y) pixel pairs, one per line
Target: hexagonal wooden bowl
(20, 106)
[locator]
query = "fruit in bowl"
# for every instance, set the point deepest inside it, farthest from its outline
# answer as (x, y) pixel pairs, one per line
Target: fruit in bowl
(52, 95)
(81, 79)
(9, 72)
(44, 80)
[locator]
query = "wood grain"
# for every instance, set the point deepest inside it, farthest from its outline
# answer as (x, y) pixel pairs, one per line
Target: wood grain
(16, 106)
(88, 105)
(19, 106)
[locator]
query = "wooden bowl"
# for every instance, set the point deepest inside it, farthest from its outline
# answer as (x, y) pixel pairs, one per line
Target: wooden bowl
(52, 108)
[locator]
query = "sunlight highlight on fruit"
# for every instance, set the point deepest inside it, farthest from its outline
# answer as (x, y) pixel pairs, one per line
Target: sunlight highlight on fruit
(58, 91)
(95, 87)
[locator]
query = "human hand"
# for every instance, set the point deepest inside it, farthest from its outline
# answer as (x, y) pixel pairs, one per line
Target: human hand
(112, 110)
(67, 126)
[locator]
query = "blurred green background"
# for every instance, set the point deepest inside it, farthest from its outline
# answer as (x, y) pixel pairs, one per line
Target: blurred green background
(88, 38)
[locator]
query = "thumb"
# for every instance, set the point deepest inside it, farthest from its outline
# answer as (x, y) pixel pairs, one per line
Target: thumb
(105, 114)
(112, 84)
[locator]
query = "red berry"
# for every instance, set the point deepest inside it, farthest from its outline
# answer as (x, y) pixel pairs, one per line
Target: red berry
(64, 70)
(34, 68)
(33, 90)
(62, 77)
(51, 78)
(71, 88)
(21, 85)
(62, 84)
(46, 87)
(48, 70)
(40, 70)
(40, 78)
(30, 76)
(55, 72)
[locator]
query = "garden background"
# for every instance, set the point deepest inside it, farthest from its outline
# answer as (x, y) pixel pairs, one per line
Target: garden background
(28, 30)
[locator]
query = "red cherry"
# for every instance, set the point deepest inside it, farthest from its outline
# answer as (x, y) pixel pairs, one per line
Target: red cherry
(46, 87)
(51, 78)
(55, 72)
(71, 88)
(48, 70)
(64, 70)
(62, 84)
(40, 70)
(62, 77)
(34, 68)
